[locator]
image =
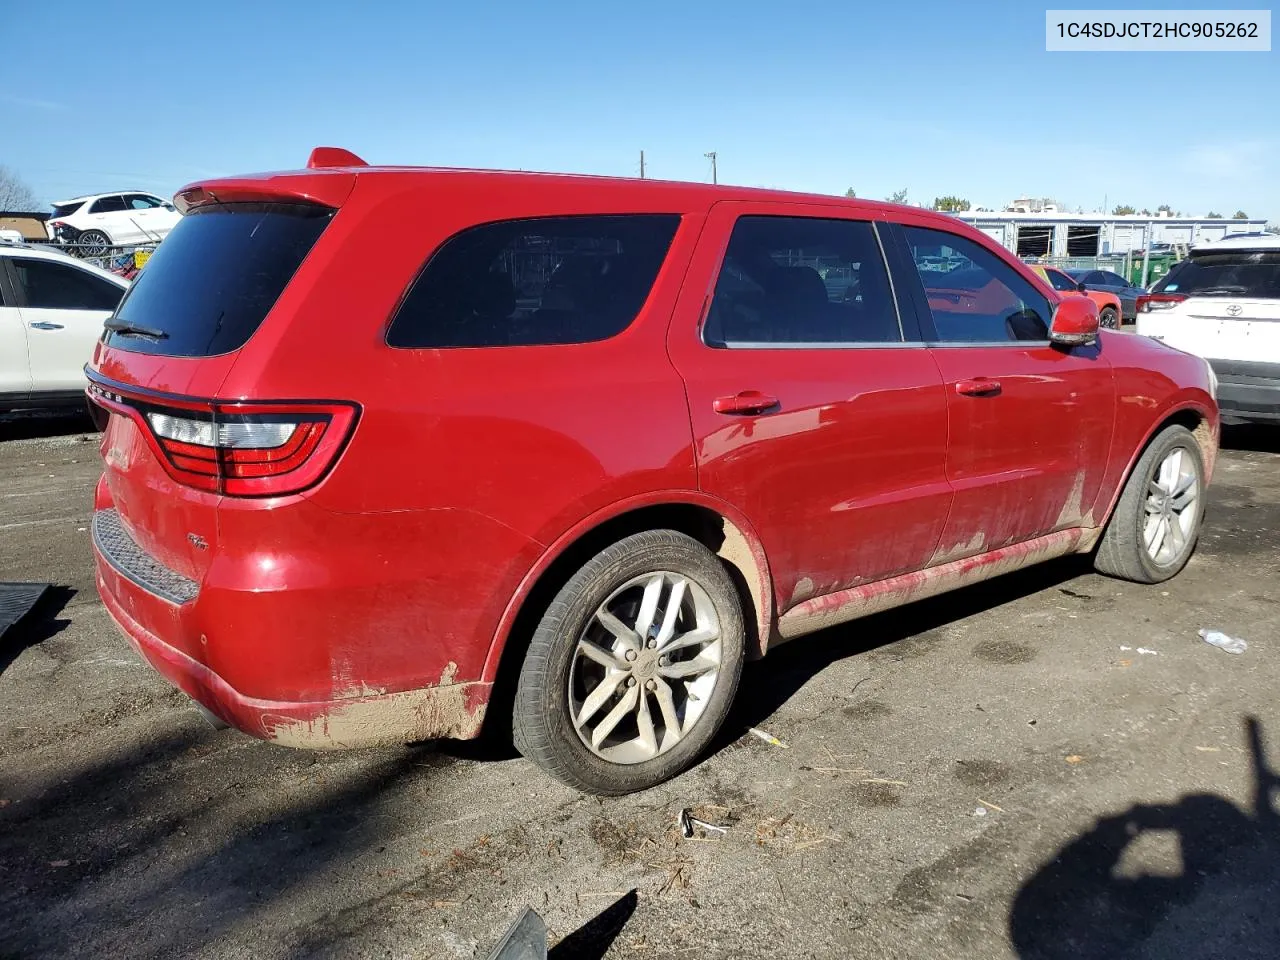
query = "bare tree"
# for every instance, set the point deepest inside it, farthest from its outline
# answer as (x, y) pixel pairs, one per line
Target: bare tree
(14, 193)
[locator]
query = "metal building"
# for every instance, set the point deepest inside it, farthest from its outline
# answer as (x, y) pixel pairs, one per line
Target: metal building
(1058, 234)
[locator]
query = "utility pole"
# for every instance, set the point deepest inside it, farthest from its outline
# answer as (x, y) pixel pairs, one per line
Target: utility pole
(1146, 254)
(641, 164)
(712, 157)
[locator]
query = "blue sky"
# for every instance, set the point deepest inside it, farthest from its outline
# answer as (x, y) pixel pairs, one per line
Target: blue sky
(937, 97)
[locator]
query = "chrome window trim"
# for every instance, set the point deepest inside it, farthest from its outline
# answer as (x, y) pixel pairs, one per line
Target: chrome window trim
(988, 343)
(822, 345)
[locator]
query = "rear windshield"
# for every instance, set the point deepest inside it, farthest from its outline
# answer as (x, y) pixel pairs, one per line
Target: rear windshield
(66, 209)
(556, 280)
(1231, 273)
(209, 285)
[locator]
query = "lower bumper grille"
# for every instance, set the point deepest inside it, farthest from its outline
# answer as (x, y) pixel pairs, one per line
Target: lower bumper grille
(134, 563)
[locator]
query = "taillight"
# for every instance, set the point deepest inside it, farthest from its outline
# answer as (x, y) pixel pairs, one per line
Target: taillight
(1151, 302)
(240, 449)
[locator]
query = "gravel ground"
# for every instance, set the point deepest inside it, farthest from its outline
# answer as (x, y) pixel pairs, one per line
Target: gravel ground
(997, 773)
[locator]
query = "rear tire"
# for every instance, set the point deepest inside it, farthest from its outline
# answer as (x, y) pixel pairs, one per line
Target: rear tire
(1156, 523)
(599, 705)
(1108, 319)
(93, 243)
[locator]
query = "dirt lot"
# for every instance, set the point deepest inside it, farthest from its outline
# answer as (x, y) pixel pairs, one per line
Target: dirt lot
(1052, 765)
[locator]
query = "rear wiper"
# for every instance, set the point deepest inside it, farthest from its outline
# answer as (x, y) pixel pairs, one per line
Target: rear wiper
(133, 330)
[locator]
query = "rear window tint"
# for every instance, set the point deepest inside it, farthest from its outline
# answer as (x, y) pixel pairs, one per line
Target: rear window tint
(552, 280)
(66, 209)
(209, 285)
(1235, 273)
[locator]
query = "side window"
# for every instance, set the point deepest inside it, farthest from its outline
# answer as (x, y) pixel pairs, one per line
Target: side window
(977, 297)
(137, 201)
(535, 282)
(1060, 281)
(54, 286)
(108, 205)
(1114, 280)
(802, 280)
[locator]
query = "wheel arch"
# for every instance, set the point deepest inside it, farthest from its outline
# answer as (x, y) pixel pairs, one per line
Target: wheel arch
(1196, 418)
(715, 524)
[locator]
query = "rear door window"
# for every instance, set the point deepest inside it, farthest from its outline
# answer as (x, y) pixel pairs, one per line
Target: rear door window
(54, 286)
(209, 286)
(554, 280)
(1231, 273)
(802, 281)
(108, 205)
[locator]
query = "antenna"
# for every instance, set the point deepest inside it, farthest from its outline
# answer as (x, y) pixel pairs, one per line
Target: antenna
(712, 157)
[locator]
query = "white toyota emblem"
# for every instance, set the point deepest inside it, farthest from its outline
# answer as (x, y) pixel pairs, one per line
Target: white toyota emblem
(1235, 310)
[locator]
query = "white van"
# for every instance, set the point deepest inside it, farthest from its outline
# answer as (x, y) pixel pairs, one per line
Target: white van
(1223, 303)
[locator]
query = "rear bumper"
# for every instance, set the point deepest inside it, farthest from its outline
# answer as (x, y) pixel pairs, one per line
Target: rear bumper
(454, 710)
(1248, 390)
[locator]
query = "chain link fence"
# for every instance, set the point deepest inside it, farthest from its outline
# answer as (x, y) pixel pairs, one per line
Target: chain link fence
(125, 260)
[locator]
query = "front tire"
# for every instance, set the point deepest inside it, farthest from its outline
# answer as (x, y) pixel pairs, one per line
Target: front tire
(634, 666)
(1153, 531)
(1108, 318)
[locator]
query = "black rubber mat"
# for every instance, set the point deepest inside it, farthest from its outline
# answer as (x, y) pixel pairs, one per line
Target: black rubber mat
(16, 601)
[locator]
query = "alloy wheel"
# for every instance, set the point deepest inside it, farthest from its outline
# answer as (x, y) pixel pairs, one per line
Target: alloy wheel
(644, 667)
(1170, 518)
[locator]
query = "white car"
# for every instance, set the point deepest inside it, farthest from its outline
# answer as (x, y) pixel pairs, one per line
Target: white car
(112, 219)
(52, 308)
(1223, 303)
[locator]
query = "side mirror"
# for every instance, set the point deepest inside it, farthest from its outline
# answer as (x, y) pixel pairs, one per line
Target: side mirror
(1075, 322)
(1081, 287)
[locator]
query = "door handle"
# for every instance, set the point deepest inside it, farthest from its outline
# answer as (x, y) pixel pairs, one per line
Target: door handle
(45, 325)
(746, 403)
(978, 387)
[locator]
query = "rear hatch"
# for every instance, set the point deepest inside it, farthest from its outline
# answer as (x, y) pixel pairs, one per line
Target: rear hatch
(1222, 305)
(173, 446)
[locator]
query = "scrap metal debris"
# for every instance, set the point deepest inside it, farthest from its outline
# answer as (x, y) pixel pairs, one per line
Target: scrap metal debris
(688, 823)
(17, 600)
(525, 940)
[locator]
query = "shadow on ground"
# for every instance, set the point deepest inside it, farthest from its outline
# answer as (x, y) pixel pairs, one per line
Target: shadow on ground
(1257, 437)
(39, 425)
(770, 683)
(133, 856)
(1215, 897)
(593, 939)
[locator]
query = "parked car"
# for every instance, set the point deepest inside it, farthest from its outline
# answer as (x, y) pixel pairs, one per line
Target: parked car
(1223, 303)
(1109, 282)
(1109, 311)
(111, 219)
(580, 446)
(52, 308)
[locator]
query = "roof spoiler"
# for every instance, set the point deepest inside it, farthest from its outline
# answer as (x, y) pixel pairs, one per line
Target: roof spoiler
(333, 157)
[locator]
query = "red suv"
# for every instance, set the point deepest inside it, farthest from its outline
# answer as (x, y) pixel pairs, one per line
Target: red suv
(592, 442)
